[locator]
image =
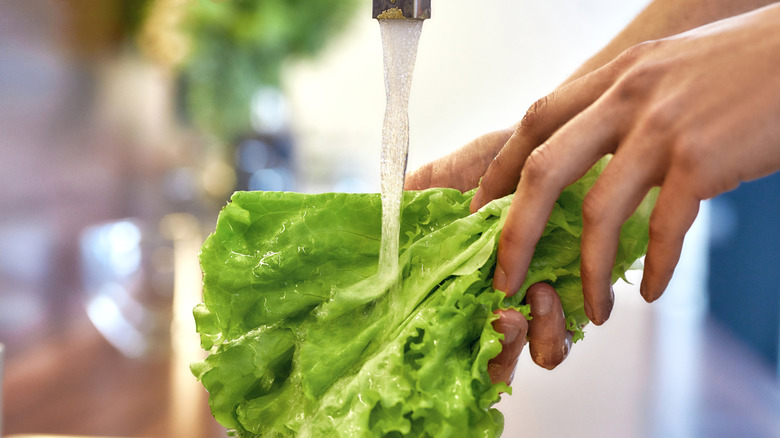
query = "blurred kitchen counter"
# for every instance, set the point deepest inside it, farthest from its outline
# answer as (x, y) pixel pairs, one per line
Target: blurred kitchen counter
(75, 383)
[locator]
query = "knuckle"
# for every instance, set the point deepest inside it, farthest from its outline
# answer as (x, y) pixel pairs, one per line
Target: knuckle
(660, 120)
(689, 157)
(632, 85)
(638, 81)
(687, 153)
(706, 175)
(532, 117)
(594, 209)
(510, 236)
(636, 70)
(536, 169)
(637, 52)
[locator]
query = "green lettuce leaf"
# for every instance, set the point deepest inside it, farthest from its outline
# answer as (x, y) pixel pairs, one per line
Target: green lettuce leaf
(305, 339)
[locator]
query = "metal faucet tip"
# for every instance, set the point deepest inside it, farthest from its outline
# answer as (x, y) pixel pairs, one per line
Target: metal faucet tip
(402, 9)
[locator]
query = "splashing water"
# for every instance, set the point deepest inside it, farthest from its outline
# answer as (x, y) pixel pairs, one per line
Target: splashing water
(399, 44)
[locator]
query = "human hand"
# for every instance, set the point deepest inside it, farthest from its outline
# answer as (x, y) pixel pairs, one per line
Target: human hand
(695, 114)
(462, 168)
(546, 331)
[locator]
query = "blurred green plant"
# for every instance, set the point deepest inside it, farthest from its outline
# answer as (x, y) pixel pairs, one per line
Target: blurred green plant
(237, 46)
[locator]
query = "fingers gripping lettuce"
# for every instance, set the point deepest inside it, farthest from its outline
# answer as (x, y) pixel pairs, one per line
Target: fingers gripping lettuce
(305, 339)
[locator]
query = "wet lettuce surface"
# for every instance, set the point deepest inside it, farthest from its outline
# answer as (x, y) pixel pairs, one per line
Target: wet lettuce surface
(305, 339)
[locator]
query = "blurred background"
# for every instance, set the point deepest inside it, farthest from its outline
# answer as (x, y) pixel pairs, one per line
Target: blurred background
(126, 125)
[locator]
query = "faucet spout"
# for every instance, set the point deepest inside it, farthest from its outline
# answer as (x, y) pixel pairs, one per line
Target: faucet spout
(402, 9)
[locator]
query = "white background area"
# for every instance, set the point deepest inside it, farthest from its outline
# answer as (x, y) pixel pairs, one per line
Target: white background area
(479, 66)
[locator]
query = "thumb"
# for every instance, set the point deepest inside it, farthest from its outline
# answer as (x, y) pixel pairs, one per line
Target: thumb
(461, 169)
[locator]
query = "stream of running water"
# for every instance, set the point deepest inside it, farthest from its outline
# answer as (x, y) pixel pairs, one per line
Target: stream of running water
(400, 38)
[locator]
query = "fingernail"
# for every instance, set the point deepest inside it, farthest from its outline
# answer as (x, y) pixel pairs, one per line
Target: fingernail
(647, 292)
(606, 310)
(542, 304)
(511, 336)
(599, 313)
(499, 279)
(512, 375)
(598, 316)
(566, 346)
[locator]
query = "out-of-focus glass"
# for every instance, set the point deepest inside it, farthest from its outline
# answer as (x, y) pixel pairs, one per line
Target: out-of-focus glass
(128, 276)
